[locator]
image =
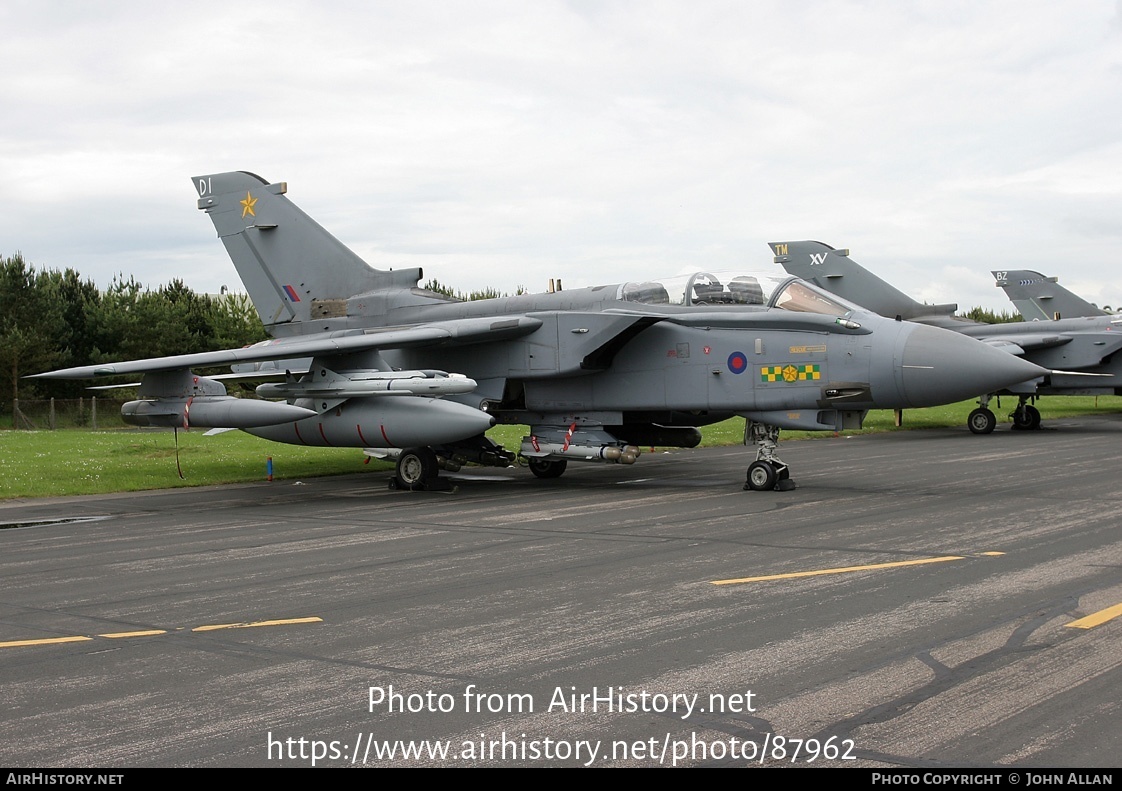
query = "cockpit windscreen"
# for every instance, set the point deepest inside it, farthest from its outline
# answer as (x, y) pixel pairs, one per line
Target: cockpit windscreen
(734, 288)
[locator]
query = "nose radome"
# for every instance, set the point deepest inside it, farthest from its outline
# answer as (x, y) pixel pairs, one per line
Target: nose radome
(941, 367)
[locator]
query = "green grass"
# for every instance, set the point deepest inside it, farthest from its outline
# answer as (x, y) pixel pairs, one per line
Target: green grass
(74, 461)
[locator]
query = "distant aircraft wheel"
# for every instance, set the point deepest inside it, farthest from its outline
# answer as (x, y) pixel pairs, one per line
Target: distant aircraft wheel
(1026, 417)
(548, 468)
(416, 467)
(761, 476)
(981, 421)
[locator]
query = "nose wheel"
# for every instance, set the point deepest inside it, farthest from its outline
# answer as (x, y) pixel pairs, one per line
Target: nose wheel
(768, 472)
(981, 421)
(764, 476)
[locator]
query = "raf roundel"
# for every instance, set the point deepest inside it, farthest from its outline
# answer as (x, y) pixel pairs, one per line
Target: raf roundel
(738, 363)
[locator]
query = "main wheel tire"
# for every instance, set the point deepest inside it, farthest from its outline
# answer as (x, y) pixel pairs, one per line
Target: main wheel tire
(548, 468)
(416, 467)
(1033, 417)
(981, 421)
(761, 476)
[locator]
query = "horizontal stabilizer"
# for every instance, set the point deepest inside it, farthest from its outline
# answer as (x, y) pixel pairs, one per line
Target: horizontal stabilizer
(1027, 341)
(1005, 346)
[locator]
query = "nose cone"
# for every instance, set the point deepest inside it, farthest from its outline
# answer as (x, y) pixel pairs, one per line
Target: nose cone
(941, 367)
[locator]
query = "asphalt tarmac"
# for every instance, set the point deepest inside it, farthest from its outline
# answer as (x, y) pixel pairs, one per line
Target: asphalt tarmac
(927, 599)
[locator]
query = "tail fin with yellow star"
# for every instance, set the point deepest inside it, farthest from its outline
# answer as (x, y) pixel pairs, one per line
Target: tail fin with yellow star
(292, 268)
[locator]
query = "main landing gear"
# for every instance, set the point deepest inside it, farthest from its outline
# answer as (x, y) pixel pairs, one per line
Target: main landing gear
(418, 470)
(768, 472)
(547, 468)
(1025, 417)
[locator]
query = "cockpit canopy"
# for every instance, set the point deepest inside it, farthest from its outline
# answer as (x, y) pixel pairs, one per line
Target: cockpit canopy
(736, 288)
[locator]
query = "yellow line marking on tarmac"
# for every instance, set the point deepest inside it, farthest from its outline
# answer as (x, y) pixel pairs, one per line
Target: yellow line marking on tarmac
(1097, 618)
(845, 570)
(213, 627)
(153, 632)
(44, 641)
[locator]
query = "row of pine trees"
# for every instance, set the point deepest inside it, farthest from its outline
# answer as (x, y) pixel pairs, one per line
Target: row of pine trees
(51, 319)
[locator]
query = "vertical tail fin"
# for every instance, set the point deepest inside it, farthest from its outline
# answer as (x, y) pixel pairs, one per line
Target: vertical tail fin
(839, 274)
(293, 269)
(1040, 298)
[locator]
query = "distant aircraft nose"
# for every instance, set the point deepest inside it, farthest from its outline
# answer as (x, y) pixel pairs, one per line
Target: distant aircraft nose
(939, 366)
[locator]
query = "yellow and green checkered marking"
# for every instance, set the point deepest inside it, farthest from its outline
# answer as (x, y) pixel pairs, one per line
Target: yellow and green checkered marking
(789, 372)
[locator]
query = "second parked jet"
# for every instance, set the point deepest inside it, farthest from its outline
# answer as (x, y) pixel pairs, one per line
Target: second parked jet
(1079, 353)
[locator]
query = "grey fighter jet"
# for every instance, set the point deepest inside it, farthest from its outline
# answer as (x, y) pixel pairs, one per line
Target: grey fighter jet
(1040, 298)
(365, 358)
(1079, 353)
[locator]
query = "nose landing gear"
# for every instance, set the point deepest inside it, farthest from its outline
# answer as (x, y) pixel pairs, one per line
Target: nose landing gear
(768, 472)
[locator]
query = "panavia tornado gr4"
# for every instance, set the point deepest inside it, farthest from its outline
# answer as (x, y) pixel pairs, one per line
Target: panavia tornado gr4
(361, 357)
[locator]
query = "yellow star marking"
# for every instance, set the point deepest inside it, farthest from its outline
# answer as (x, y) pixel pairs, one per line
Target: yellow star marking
(1097, 618)
(248, 204)
(790, 373)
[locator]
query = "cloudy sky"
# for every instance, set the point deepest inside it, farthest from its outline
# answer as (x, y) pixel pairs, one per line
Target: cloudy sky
(504, 143)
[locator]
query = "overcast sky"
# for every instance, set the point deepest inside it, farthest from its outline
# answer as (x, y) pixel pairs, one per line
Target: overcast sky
(504, 143)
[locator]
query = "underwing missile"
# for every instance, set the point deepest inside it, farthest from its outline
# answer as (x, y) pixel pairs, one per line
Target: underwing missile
(368, 383)
(210, 412)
